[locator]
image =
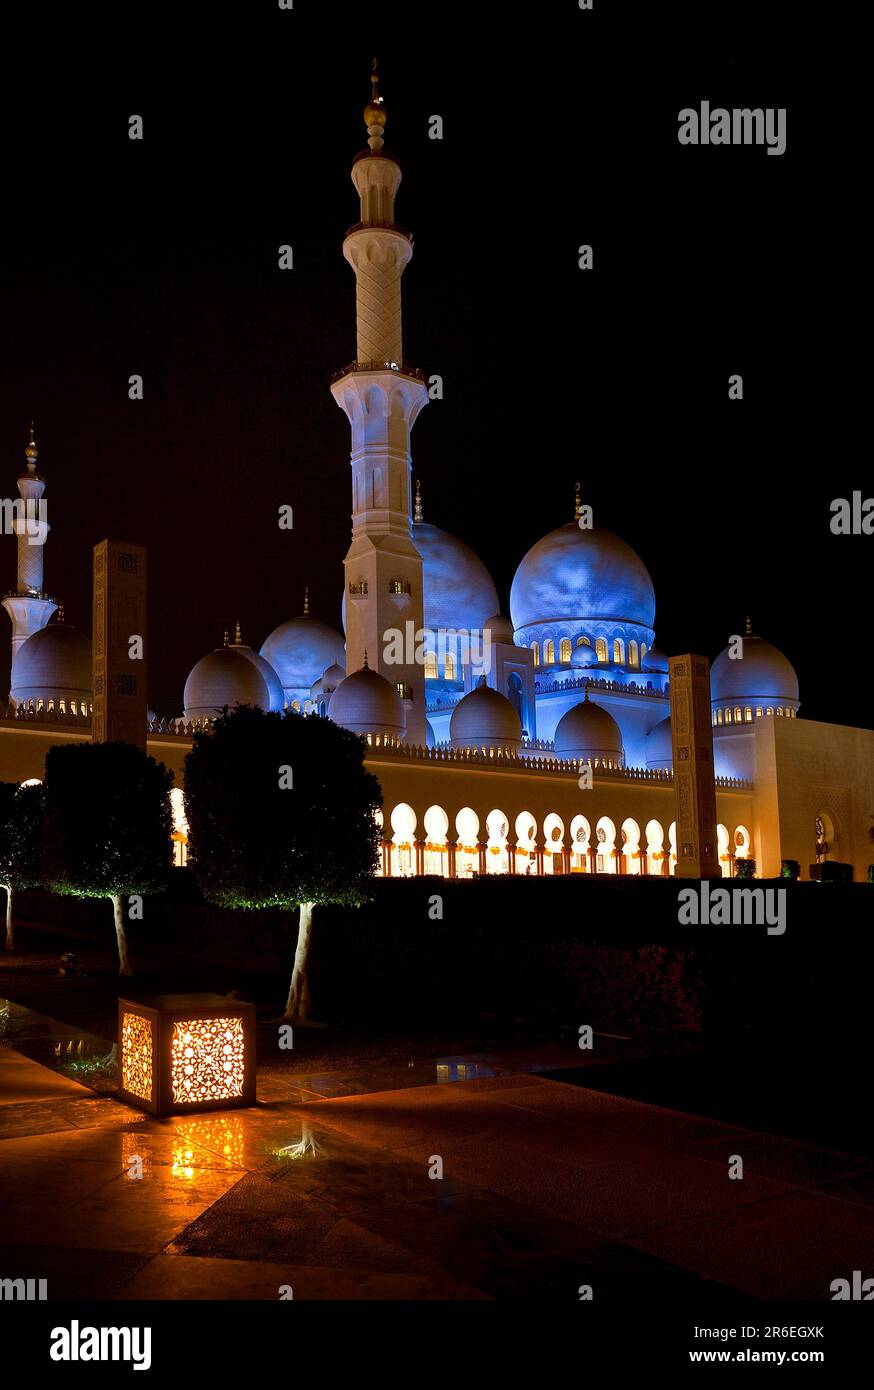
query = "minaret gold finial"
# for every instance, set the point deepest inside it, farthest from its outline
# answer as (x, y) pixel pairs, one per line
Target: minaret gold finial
(366, 667)
(238, 636)
(374, 112)
(418, 514)
(306, 603)
(578, 504)
(749, 631)
(60, 617)
(31, 452)
(225, 640)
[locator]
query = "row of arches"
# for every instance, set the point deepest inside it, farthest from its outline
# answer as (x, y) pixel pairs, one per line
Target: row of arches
(604, 651)
(468, 848)
(744, 715)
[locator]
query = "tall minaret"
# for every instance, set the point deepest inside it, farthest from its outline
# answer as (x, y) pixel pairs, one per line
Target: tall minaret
(382, 397)
(28, 606)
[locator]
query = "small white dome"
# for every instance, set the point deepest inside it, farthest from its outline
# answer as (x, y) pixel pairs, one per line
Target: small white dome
(659, 747)
(485, 719)
(230, 676)
(499, 629)
(655, 661)
(328, 681)
(588, 731)
(53, 664)
(366, 703)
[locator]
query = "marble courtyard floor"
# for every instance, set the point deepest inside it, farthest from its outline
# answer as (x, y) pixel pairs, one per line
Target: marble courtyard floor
(546, 1186)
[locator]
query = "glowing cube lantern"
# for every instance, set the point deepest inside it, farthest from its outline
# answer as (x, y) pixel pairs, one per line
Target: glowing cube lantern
(181, 1053)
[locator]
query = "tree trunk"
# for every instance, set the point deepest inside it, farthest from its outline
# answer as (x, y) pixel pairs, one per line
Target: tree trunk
(123, 962)
(297, 1010)
(10, 930)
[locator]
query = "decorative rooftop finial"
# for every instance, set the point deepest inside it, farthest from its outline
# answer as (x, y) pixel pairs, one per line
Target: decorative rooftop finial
(366, 667)
(225, 640)
(238, 636)
(749, 631)
(374, 113)
(578, 504)
(60, 617)
(31, 452)
(418, 514)
(306, 603)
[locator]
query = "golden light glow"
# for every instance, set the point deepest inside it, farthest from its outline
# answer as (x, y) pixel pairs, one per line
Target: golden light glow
(206, 1060)
(136, 1056)
(220, 1134)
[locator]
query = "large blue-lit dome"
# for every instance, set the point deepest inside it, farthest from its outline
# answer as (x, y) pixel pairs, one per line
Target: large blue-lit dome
(763, 673)
(576, 575)
(458, 589)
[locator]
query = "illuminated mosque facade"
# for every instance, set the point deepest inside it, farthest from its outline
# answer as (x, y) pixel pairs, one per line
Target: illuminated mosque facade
(537, 742)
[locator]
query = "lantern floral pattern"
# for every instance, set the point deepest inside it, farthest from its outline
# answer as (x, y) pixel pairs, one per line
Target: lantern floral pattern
(206, 1060)
(136, 1054)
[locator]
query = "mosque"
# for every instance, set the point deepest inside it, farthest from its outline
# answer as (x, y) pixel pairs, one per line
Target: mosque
(536, 741)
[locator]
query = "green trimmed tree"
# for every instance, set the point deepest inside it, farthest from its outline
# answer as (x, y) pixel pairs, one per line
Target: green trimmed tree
(281, 813)
(107, 826)
(21, 813)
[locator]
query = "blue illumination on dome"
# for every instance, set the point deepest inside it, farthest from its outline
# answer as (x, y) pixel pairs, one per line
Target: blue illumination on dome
(458, 589)
(576, 575)
(763, 673)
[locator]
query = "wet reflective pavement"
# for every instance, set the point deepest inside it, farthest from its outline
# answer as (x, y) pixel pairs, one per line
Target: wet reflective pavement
(327, 1186)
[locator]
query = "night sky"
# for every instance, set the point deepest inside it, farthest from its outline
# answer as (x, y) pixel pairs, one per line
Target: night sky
(160, 258)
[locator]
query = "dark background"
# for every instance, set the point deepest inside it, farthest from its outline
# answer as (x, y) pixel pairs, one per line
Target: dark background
(160, 258)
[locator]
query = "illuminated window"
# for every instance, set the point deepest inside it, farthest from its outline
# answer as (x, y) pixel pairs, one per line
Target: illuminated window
(549, 653)
(728, 718)
(737, 714)
(780, 710)
(62, 706)
(633, 654)
(770, 711)
(565, 649)
(719, 716)
(643, 651)
(748, 715)
(536, 650)
(618, 651)
(450, 667)
(399, 586)
(430, 666)
(583, 642)
(601, 649)
(758, 711)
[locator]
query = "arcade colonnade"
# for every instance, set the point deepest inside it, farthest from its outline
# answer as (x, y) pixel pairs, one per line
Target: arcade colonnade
(463, 846)
(461, 822)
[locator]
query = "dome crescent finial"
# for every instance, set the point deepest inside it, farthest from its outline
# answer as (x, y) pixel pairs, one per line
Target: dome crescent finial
(578, 505)
(306, 602)
(418, 514)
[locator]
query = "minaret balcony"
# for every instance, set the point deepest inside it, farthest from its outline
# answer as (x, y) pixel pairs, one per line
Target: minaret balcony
(32, 593)
(400, 368)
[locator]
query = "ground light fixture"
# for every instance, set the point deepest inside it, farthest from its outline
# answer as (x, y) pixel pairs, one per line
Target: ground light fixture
(180, 1054)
